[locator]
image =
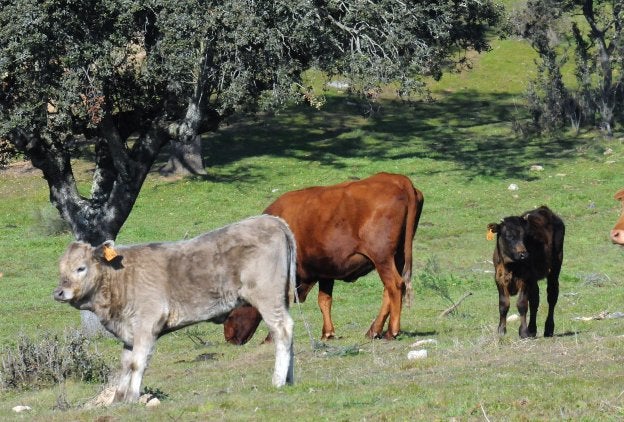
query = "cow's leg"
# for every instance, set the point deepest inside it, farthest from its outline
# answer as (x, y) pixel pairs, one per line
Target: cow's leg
(134, 362)
(552, 289)
(534, 297)
(326, 288)
(281, 329)
(552, 292)
(126, 374)
(503, 309)
(376, 327)
(391, 302)
(523, 307)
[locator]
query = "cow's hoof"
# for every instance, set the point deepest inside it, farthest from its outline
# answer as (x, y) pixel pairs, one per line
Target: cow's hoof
(373, 335)
(328, 336)
(390, 336)
(525, 334)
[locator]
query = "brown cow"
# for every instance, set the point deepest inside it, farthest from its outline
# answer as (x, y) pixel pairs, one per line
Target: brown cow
(617, 234)
(528, 248)
(143, 292)
(343, 232)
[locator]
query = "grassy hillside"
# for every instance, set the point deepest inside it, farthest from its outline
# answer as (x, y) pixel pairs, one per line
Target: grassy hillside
(461, 152)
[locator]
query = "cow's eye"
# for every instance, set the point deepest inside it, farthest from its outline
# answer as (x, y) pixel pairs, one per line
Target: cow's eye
(81, 270)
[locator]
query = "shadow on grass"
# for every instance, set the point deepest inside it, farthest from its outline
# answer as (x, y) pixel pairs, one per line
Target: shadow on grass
(414, 334)
(567, 334)
(471, 130)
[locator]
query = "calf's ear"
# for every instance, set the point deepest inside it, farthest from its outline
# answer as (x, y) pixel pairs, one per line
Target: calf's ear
(619, 195)
(492, 228)
(106, 251)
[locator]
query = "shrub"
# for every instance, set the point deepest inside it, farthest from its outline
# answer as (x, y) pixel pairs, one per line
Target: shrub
(7, 151)
(431, 278)
(51, 360)
(48, 222)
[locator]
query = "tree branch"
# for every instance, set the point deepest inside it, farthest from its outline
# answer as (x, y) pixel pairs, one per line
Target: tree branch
(455, 305)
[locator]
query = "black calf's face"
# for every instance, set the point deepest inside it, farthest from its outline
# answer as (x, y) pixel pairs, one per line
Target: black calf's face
(511, 233)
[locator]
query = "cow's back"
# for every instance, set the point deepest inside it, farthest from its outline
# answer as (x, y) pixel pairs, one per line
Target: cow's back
(201, 278)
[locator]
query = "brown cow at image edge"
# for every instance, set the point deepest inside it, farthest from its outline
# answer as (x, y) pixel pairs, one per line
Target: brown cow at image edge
(343, 232)
(528, 248)
(617, 233)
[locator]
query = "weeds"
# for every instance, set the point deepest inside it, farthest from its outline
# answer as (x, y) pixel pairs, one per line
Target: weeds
(327, 350)
(595, 279)
(155, 392)
(51, 360)
(432, 279)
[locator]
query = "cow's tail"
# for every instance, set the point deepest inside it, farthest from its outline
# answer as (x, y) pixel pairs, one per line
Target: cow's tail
(292, 276)
(414, 209)
(291, 246)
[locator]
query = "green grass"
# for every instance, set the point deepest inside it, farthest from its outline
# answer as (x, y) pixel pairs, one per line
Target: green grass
(461, 152)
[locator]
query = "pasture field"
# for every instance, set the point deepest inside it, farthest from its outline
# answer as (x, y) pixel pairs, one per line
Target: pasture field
(461, 152)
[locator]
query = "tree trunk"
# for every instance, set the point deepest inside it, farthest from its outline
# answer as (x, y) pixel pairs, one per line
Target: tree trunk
(606, 102)
(185, 158)
(117, 181)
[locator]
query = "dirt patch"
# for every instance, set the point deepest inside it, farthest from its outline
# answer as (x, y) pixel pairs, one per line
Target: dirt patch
(19, 168)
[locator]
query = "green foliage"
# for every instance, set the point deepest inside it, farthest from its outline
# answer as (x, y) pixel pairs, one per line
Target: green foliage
(51, 359)
(432, 279)
(80, 77)
(586, 36)
(155, 392)
(7, 152)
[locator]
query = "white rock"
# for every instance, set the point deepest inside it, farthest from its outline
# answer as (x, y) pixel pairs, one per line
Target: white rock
(20, 409)
(417, 354)
(608, 151)
(513, 186)
(153, 402)
(537, 168)
(513, 317)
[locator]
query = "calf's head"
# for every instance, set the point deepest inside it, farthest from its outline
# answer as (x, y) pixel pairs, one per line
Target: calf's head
(80, 270)
(617, 233)
(511, 232)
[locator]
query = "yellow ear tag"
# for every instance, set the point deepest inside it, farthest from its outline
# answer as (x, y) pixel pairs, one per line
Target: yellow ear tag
(489, 235)
(109, 253)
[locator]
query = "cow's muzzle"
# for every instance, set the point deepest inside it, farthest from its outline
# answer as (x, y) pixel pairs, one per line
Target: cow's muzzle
(60, 295)
(617, 236)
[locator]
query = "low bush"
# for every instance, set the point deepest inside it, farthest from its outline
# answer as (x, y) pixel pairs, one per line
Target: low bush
(51, 360)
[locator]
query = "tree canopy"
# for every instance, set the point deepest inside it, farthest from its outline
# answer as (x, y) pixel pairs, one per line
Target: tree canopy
(116, 80)
(587, 36)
